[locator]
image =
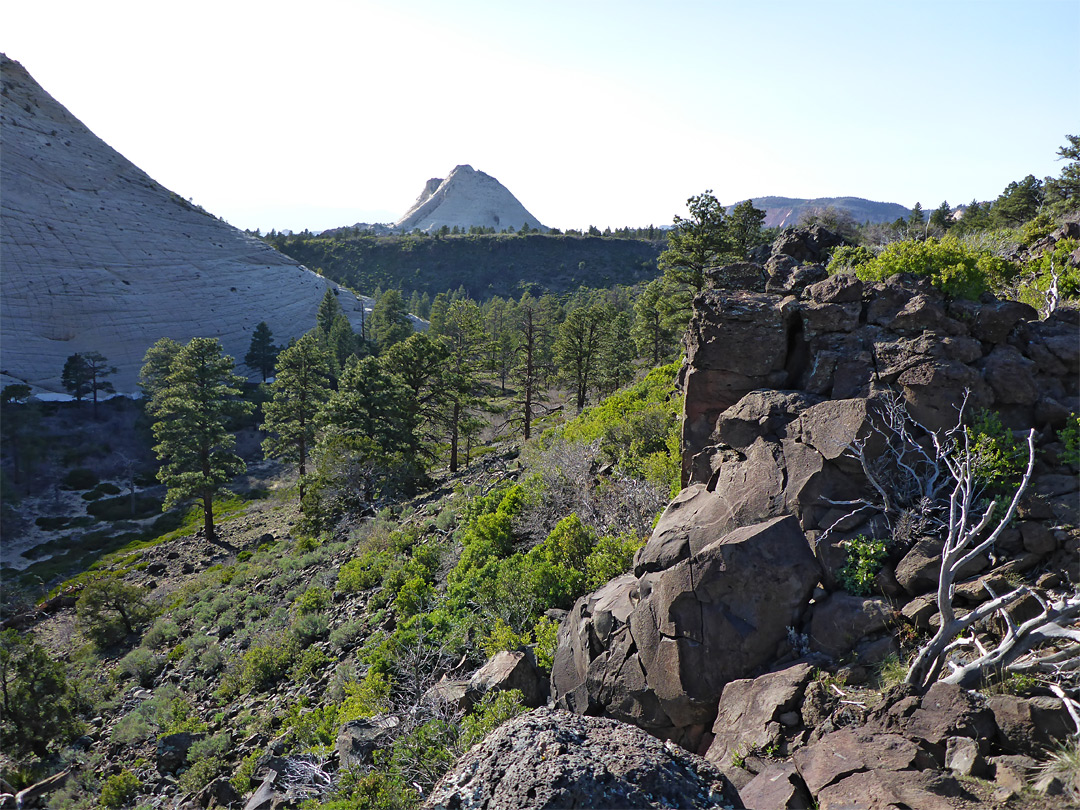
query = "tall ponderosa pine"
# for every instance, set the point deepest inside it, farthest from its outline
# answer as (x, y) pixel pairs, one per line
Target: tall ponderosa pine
(1019, 202)
(615, 363)
(367, 445)
(653, 331)
(157, 363)
(390, 322)
(1063, 192)
(329, 309)
(941, 217)
(464, 339)
(419, 362)
(76, 377)
(85, 373)
(533, 335)
(261, 352)
(577, 348)
(745, 227)
(191, 412)
(301, 386)
(697, 243)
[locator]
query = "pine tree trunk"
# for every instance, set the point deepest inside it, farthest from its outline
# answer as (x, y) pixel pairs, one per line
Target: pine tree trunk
(208, 515)
(454, 437)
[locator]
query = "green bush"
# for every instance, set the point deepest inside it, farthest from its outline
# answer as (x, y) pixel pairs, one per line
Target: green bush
(142, 665)
(364, 572)
(1069, 436)
(865, 556)
(108, 609)
(312, 660)
(119, 508)
(38, 706)
(313, 600)
(493, 710)
(848, 257)
(997, 457)
(953, 267)
(612, 556)
(307, 627)
(120, 789)
(265, 664)
(346, 636)
(80, 478)
(1040, 272)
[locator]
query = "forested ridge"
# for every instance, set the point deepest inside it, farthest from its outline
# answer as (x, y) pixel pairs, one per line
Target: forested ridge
(482, 264)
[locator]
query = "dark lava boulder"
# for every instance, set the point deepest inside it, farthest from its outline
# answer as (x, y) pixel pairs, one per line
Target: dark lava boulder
(553, 759)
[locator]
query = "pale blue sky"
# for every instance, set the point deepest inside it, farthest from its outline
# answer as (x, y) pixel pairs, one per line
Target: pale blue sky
(289, 115)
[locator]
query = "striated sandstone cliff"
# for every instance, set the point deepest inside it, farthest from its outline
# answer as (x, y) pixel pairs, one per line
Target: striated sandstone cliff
(97, 256)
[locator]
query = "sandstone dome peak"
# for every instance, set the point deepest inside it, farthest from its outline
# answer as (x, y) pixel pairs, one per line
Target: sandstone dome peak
(98, 257)
(466, 198)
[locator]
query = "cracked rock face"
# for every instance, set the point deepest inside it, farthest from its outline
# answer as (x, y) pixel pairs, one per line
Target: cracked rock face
(657, 648)
(97, 256)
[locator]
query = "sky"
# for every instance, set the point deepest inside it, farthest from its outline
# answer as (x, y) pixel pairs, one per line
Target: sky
(290, 115)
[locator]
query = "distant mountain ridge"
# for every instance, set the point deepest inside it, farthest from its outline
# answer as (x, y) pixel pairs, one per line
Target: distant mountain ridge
(784, 212)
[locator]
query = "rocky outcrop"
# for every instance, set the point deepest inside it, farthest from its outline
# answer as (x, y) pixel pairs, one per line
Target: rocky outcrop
(97, 256)
(657, 647)
(911, 750)
(552, 759)
(778, 384)
(466, 198)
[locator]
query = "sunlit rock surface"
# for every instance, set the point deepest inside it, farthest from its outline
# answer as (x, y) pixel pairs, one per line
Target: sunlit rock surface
(97, 256)
(466, 198)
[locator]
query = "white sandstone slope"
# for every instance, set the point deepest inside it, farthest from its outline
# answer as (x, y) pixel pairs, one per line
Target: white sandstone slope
(466, 198)
(97, 256)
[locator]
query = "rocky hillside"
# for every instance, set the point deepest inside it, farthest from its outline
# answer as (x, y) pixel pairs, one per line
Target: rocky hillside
(466, 199)
(844, 607)
(98, 257)
(812, 532)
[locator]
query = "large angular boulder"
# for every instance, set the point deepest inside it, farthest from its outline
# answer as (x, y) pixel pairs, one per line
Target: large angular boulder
(752, 712)
(657, 650)
(551, 759)
(508, 670)
(781, 453)
(738, 341)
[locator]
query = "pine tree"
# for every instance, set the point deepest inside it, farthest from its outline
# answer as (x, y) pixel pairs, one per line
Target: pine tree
(329, 309)
(464, 340)
(85, 374)
(98, 369)
(533, 349)
(697, 243)
(76, 377)
(615, 363)
(390, 322)
(191, 412)
(577, 347)
(437, 314)
(941, 217)
(419, 362)
(261, 352)
(156, 365)
(301, 386)
(744, 226)
(652, 332)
